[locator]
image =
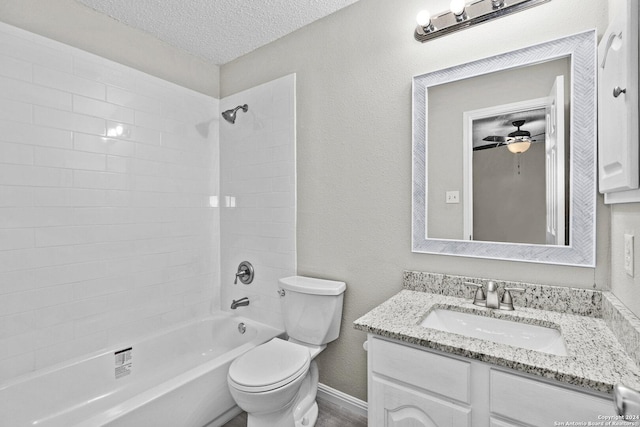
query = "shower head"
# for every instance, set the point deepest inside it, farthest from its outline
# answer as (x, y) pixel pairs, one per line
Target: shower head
(230, 115)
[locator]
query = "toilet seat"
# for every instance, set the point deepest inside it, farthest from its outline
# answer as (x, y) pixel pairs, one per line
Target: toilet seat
(269, 366)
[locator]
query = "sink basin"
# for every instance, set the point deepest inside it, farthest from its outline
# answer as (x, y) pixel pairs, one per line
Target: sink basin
(531, 337)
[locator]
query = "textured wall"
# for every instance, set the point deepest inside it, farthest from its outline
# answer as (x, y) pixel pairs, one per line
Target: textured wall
(101, 238)
(625, 219)
(354, 71)
(70, 22)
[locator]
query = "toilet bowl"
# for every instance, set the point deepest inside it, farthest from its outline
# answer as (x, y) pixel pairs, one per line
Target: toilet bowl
(276, 382)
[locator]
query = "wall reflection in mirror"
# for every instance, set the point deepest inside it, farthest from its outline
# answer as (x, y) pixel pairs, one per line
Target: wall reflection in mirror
(488, 141)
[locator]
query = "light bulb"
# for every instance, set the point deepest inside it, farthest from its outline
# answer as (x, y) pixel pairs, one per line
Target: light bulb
(457, 7)
(423, 18)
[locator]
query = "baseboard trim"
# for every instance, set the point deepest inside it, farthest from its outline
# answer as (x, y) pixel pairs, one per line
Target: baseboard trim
(344, 400)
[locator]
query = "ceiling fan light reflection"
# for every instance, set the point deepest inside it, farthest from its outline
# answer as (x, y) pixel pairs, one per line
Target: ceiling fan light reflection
(518, 147)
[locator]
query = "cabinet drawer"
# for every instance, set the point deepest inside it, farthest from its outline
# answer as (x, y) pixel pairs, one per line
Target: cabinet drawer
(539, 403)
(442, 375)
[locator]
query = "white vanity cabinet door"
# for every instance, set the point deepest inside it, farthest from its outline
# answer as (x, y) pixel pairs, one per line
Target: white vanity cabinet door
(539, 403)
(397, 405)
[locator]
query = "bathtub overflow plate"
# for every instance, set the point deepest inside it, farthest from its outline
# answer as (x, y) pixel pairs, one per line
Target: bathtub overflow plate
(242, 328)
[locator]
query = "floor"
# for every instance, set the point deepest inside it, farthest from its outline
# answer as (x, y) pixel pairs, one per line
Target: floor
(330, 415)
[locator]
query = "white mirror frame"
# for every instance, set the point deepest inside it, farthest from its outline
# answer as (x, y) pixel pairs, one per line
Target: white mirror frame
(581, 48)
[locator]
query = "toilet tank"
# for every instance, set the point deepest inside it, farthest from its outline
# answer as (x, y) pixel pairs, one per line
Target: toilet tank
(312, 308)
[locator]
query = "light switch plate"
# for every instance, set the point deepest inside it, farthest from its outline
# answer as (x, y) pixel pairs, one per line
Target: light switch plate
(628, 254)
(453, 197)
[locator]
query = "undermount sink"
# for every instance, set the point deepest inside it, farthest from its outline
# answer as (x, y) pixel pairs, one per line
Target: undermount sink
(531, 337)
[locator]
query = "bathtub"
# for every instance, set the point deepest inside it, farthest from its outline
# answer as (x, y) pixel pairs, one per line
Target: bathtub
(177, 378)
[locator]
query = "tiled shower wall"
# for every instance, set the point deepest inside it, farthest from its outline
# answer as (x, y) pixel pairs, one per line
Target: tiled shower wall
(258, 187)
(107, 178)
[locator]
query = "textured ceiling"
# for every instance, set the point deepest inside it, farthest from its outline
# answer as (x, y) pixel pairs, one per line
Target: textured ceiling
(217, 30)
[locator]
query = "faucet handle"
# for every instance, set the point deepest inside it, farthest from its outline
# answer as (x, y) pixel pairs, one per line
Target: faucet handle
(479, 298)
(507, 301)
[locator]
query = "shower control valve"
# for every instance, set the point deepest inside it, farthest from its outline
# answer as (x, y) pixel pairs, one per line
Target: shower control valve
(245, 273)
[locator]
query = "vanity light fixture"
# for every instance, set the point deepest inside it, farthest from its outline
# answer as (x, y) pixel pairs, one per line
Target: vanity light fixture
(457, 7)
(464, 15)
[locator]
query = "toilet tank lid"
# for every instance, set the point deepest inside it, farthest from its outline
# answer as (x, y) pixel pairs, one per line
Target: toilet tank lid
(311, 285)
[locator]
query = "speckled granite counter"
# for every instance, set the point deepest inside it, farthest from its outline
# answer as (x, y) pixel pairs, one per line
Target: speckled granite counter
(596, 359)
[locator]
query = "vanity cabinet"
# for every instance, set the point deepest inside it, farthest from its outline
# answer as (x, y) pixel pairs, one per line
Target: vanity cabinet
(410, 386)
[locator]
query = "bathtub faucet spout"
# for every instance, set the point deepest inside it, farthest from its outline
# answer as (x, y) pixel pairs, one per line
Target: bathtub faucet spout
(239, 303)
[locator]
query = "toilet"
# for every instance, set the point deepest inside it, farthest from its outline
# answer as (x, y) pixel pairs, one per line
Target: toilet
(276, 382)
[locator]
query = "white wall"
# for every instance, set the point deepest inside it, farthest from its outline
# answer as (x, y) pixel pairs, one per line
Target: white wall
(258, 170)
(354, 71)
(101, 239)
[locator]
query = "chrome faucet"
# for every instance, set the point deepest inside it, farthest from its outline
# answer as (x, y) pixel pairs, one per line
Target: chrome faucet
(239, 303)
(492, 299)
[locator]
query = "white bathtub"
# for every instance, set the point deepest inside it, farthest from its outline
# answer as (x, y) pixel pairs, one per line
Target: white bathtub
(175, 379)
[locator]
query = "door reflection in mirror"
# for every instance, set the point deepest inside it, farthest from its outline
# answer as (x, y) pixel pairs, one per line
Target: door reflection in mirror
(514, 185)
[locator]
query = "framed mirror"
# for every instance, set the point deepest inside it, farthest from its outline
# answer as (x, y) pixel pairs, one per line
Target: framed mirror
(504, 155)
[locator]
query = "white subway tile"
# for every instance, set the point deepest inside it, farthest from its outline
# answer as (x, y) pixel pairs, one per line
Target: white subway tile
(15, 366)
(15, 68)
(136, 133)
(103, 71)
(158, 122)
(27, 134)
(69, 121)
(118, 164)
(105, 110)
(16, 324)
(100, 287)
(36, 299)
(73, 310)
(102, 180)
(15, 111)
(68, 82)
(28, 217)
(16, 196)
(16, 153)
(102, 144)
(70, 159)
(102, 215)
(133, 100)
(27, 92)
(16, 239)
(73, 235)
(28, 51)
(35, 176)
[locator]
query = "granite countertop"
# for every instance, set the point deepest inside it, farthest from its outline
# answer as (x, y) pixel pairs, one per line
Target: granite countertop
(595, 360)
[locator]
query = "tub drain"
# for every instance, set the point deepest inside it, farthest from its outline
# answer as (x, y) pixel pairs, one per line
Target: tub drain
(242, 328)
